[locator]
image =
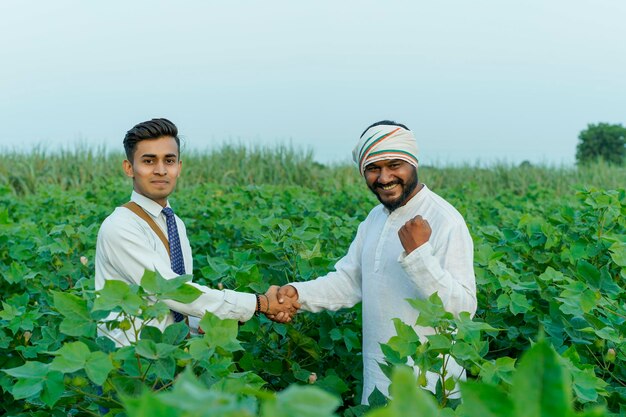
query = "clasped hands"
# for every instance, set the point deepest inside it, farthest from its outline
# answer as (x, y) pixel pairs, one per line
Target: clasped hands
(280, 304)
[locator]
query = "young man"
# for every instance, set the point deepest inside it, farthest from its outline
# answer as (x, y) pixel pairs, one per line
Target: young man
(412, 245)
(145, 234)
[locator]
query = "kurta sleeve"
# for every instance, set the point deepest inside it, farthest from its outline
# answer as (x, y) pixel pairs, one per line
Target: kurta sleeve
(447, 270)
(129, 252)
(338, 289)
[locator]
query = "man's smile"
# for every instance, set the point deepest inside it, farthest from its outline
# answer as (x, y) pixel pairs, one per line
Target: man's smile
(389, 186)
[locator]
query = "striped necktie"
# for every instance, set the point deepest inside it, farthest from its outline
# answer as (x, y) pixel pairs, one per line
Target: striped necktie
(176, 254)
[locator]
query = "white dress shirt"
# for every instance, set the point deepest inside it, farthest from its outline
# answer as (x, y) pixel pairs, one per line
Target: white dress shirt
(127, 246)
(377, 271)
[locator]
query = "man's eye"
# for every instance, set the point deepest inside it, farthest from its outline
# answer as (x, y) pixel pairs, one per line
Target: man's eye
(147, 161)
(170, 161)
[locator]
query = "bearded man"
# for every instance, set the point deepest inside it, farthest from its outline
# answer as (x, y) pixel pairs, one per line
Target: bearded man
(411, 245)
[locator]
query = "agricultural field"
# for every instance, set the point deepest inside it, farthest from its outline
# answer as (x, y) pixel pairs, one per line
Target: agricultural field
(550, 261)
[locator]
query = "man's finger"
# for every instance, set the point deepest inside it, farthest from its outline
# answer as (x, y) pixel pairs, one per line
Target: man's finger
(286, 291)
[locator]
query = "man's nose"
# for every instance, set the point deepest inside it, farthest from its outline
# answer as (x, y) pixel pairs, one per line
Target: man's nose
(160, 168)
(385, 176)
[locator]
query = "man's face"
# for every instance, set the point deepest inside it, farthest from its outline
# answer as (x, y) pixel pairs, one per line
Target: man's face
(155, 168)
(393, 181)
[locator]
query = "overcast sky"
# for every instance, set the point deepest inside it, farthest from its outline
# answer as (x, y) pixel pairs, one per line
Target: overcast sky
(477, 81)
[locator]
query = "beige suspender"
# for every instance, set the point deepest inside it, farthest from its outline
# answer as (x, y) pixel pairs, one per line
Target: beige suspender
(135, 208)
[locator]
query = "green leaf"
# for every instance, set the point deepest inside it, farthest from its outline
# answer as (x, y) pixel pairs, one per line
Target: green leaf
(76, 321)
(151, 333)
(202, 402)
(432, 311)
(335, 334)
(150, 405)
(450, 384)
(406, 342)
(301, 401)
(465, 351)
(519, 303)
(29, 370)
(127, 386)
(587, 385)
(147, 349)
(551, 275)
(501, 370)
(618, 253)
(594, 412)
(470, 330)
(53, 388)
(482, 400)
(118, 294)
(351, 339)
(70, 358)
(175, 288)
(577, 298)
(406, 397)
(199, 349)
(333, 384)
(98, 367)
(31, 377)
(405, 331)
(165, 349)
(164, 368)
(175, 333)
(541, 386)
(440, 343)
(185, 294)
(158, 310)
(220, 333)
(25, 388)
(588, 273)
(377, 398)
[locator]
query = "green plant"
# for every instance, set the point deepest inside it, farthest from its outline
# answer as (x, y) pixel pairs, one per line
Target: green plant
(548, 256)
(602, 141)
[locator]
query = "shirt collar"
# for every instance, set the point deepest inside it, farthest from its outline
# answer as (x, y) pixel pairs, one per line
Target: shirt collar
(410, 205)
(151, 206)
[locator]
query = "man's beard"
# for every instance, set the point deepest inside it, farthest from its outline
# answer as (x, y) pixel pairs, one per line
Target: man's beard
(407, 189)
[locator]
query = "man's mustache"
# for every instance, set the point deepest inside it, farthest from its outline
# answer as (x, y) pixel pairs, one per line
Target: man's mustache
(380, 185)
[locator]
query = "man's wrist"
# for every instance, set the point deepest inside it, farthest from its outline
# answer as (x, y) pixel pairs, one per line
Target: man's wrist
(258, 304)
(262, 304)
(267, 304)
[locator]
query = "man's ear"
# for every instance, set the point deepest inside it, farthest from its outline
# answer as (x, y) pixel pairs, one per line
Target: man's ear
(180, 168)
(128, 168)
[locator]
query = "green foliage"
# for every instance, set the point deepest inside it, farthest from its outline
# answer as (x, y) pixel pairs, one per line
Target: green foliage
(602, 141)
(541, 387)
(548, 257)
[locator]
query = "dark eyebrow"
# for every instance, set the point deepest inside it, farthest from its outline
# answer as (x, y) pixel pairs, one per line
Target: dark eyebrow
(151, 155)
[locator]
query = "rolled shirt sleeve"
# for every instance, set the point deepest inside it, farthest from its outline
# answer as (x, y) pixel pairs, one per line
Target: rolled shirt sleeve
(126, 249)
(338, 289)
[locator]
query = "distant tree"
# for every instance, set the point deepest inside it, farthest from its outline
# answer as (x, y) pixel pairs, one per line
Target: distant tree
(602, 141)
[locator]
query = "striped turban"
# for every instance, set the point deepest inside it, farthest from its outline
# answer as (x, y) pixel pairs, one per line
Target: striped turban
(385, 142)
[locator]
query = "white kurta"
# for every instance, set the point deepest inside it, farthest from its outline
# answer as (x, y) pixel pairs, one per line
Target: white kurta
(127, 246)
(377, 271)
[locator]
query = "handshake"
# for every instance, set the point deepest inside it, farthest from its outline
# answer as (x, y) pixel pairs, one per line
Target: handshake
(279, 304)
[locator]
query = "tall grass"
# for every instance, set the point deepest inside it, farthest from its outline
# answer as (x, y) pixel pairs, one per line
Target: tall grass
(85, 167)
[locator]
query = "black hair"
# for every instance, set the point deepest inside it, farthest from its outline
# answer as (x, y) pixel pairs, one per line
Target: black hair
(151, 129)
(385, 122)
